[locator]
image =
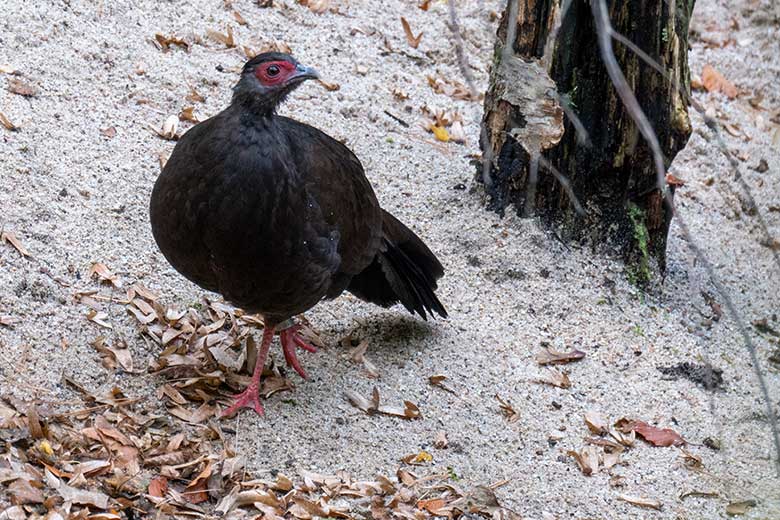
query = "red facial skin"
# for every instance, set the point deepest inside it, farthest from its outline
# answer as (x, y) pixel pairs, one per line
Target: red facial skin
(286, 69)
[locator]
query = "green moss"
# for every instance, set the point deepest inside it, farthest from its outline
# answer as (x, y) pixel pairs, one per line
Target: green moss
(639, 273)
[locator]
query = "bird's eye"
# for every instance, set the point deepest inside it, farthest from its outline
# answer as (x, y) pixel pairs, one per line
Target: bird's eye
(273, 70)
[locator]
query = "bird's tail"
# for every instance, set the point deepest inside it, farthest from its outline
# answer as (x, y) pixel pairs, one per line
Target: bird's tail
(404, 270)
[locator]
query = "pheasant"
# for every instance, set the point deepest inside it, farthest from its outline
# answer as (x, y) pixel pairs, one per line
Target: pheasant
(276, 216)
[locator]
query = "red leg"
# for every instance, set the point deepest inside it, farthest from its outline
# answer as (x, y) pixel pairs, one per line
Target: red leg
(290, 341)
(250, 397)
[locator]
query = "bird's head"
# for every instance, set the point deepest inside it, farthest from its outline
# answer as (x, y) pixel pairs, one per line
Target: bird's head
(268, 78)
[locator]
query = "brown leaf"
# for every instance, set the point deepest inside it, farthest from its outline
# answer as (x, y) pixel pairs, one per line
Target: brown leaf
(195, 492)
(165, 42)
(187, 114)
(226, 38)
(101, 318)
(104, 274)
(7, 123)
(557, 378)
(438, 380)
(596, 423)
(358, 355)
(641, 502)
(22, 88)
(413, 40)
(550, 356)
(22, 491)
(109, 132)
(433, 506)
(194, 97)
(424, 5)
(240, 19)
(657, 436)
(331, 87)
(75, 495)
(158, 486)
(7, 236)
(739, 508)
(169, 128)
(507, 409)
(316, 6)
(587, 459)
(714, 81)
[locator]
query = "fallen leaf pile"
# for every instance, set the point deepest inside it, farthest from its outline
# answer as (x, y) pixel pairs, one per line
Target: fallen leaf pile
(115, 457)
(445, 125)
(452, 88)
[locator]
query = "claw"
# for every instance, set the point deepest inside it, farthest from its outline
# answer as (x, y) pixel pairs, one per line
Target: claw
(291, 340)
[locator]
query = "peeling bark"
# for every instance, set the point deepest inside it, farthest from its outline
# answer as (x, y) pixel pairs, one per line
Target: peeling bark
(613, 175)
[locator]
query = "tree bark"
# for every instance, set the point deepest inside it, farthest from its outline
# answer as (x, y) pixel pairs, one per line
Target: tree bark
(611, 173)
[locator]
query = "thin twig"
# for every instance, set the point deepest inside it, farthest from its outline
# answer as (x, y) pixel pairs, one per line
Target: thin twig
(605, 34)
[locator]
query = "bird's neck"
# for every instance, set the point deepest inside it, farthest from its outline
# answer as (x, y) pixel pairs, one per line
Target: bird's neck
(253, 105)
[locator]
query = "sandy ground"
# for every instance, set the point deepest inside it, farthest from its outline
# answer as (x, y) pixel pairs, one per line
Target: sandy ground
(74, 196)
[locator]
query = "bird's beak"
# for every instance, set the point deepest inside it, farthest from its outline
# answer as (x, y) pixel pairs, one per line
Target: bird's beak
(303, 73)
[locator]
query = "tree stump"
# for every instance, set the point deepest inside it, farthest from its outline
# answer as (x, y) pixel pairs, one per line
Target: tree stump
(610, 172)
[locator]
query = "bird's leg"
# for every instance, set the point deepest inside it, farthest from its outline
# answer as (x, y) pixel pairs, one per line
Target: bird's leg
(250, 397)
(291, 339)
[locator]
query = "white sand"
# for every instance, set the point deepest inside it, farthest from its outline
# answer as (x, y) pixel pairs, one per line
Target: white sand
(74, 197)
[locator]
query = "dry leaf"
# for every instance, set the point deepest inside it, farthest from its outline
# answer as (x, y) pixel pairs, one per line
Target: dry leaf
(196, 491)
(7, 124)
(331, 87)
(240, 19)
(7, 69)
(657, 436)
(158, 486)
(557, 378)
(101, 318)
(424, 5)
(671, 180)
(739, 508)
(587, 459)
(641, 502)
(440, 133)
(7, 236)
(457, 132)
(165, 42)
(187, 114)
(169, 128)
(75, 495)
(596, 423)
(413, 40)
(550, 356)
(400, 94)
(316, 6)
(440, 440)
(358, 355)
(109, 132)
(104, 274)
(226, 38)
(507, 409)
(194, 97)
(714, 81)
(22, 88)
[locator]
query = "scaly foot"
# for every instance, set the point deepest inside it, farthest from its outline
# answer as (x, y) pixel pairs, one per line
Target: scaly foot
(249, 398)
(291, 339)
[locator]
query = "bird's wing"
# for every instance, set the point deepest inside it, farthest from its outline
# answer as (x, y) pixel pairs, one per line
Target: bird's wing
(335, 180)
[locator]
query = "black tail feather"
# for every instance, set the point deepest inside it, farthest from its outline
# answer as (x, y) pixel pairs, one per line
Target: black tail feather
(404, 271)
